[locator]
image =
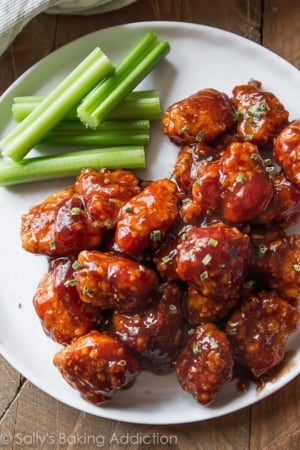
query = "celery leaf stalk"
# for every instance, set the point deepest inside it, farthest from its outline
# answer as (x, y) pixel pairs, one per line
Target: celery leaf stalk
(144, 104)
(54, 107)
(69, 127)
(69, 164)
(128, 74)
(109, 133)
(103, 138)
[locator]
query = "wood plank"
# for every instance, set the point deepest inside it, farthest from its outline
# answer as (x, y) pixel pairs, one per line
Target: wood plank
(275, 421)
(36, 420)
(35, 42)
(47, 32)
(10, 383)
(36, 416)
(280, 25)
(242, 18)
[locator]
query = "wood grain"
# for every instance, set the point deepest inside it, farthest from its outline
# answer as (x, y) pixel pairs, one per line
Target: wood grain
(27, 412)
(281, 29)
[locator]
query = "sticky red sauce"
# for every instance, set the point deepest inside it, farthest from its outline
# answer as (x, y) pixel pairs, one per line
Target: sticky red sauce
(244, 379)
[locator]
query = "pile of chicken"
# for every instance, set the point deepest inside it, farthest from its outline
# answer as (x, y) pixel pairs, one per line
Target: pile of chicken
(193, 273)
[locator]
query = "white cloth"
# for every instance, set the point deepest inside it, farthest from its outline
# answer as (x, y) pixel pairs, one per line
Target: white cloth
(15, 14)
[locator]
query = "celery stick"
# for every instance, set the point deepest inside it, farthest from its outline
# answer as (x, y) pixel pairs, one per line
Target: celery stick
(70, 164)
(109, 133)
(101, 101)
(96, 139)
(143, 104)
(54, 107)
(69, 127)
(137, 108)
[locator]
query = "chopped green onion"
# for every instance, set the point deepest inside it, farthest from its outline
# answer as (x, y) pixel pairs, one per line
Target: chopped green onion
(52, 244)
(262, 249)
(232, 331)
(166, 259)
(249, 284)
(196, 349)
(258, 109)
(143, 57)
(213, 344)
(239, 179)
(200, 136)
(126, 208)
(212, 242)
(108, 223)
(86, 291)
(206, 260)
(268, 161)
(76, 264)
(70, 283)
(204, 275)
(297, 267)
(155, 235)
(271, 170)
(172, 309)
(54, 107)
(237, 115)
(75, 211)
(185, 128)
(184, 237)
(198, 182)
(69, 164)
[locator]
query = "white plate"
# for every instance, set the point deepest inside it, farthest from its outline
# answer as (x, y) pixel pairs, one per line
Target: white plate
(200, 57)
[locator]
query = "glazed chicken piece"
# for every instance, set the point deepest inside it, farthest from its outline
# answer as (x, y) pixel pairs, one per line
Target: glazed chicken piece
(105, 192)
(260, 115)
(110, 280)
(59, 226)
(246, 188)
(214, 260)
(237, 188)
(201, 309)
(165, 260)
(98, 366)
(205, 363)
(187, 162)
(201, 117)
(155, 333)
(146, 218)
(278, 264)
(63, 315)
(286, 151)
(284, 207)
(258, 330)
(205, 201)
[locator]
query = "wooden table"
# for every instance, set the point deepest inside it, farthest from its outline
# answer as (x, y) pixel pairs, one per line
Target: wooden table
(27, 414)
